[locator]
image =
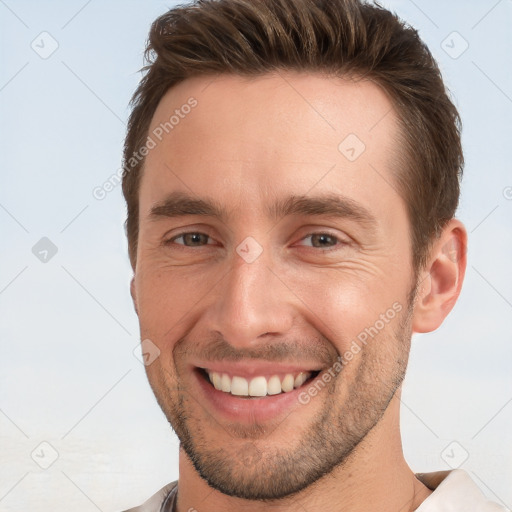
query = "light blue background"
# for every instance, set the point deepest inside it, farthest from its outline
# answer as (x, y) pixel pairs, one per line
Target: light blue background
(68, 375)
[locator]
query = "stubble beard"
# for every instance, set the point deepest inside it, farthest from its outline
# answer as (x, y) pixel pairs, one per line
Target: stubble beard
(246, 469)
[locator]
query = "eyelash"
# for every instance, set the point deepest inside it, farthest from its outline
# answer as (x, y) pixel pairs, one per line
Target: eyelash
(171, 240)
(338, 241)
(337, 245)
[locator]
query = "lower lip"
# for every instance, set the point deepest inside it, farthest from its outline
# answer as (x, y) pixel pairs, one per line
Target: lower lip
(250, 410)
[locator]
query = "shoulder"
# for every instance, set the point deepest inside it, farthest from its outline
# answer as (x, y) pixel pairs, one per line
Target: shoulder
(155, 504)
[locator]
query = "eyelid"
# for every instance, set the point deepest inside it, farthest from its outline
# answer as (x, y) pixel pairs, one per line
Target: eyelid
(189, 232)
(341, 241)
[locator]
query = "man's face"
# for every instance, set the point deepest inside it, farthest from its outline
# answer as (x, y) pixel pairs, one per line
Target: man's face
(310, 261)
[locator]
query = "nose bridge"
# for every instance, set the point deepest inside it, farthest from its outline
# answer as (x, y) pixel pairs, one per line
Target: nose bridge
(251, 301)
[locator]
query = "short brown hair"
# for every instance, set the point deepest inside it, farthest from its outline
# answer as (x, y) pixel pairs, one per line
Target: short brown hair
(338, 37)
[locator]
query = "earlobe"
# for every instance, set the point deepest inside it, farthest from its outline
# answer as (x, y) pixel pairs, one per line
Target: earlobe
(134, 294)
(441, 282)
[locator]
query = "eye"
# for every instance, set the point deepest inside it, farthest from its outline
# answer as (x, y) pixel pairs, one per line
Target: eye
(192, 239)
(322, 240)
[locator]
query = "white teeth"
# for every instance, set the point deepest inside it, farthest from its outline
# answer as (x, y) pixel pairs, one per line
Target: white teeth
(216, 380)
(274, 385)
(300, 379)
(287, 384)
(239, 386)
(258, 386)
(225, 383)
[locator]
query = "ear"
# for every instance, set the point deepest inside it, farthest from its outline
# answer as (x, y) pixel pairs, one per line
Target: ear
(133, 293)
(440, 282)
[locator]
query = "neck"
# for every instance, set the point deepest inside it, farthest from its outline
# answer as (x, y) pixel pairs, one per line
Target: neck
(376, 477)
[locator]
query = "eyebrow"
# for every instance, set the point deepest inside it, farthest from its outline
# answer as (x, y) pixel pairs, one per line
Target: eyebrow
(180, 204)
(328, 205)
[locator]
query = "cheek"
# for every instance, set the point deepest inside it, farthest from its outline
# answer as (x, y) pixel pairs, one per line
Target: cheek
(167, 298)
(348, 308)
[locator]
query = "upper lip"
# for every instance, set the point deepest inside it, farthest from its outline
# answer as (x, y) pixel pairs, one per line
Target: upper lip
(249, 369)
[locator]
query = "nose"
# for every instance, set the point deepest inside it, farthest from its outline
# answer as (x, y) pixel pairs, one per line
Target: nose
(251, 301)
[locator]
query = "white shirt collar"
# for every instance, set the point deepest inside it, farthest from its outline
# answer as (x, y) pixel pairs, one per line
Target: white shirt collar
(455, 491)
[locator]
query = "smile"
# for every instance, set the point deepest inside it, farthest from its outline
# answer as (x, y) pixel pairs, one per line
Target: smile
(257, 386)
(249, 392)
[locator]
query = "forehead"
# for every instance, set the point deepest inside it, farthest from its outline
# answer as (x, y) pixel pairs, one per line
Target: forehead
(239, 138)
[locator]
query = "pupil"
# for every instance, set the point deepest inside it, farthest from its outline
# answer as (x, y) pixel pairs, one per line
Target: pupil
(324, 238)
(195, 238)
